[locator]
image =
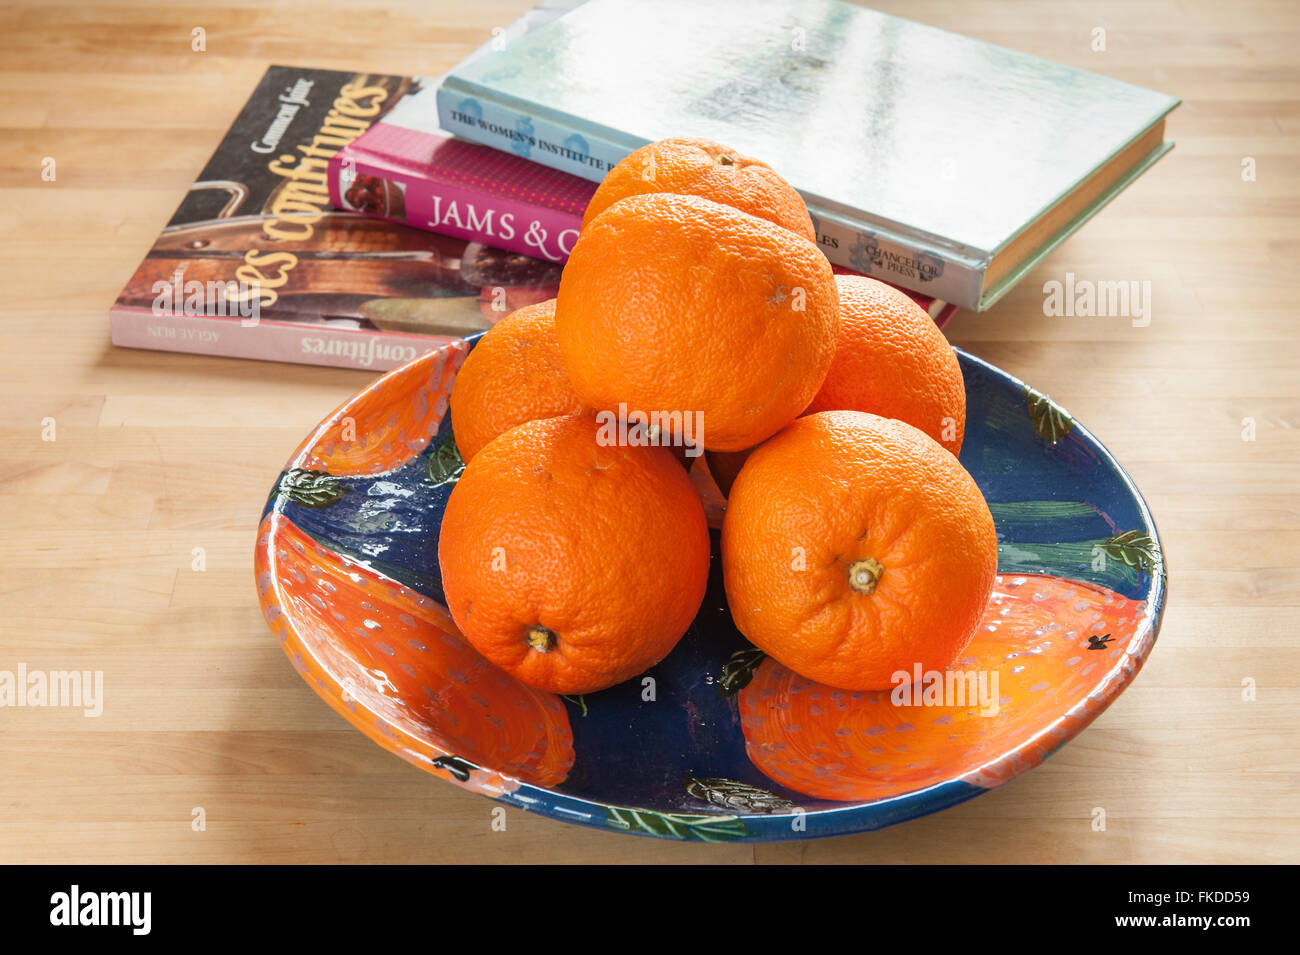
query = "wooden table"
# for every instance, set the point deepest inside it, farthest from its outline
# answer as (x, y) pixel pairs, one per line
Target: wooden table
(156, 455)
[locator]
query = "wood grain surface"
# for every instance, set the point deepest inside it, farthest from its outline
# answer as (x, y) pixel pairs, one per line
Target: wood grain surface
(158, 454)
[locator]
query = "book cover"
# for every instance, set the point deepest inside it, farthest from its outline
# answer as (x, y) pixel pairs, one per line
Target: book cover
(256, 264)
(941, 163)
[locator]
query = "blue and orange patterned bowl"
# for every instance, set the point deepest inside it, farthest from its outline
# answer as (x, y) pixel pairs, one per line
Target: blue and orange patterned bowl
(733, 747)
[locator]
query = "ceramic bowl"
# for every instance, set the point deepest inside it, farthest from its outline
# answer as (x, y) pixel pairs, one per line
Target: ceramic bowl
(733, 746)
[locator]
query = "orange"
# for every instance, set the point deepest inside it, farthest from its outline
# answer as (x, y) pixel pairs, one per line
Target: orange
(514, 374)
(570, 563)
(700, 167)
(892, 360)
(854, 547)
(675, 304)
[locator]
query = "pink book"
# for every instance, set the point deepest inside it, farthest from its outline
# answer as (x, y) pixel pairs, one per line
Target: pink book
(405, 169)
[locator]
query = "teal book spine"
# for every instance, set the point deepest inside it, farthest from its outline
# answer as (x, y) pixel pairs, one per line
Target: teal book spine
(470, 114)
(886, 255)
(481, 116)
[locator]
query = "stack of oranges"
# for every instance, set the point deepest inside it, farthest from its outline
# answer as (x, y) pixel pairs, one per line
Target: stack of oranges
(697, 317)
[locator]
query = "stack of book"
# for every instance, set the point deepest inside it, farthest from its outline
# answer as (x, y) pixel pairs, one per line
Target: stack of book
(360, 219)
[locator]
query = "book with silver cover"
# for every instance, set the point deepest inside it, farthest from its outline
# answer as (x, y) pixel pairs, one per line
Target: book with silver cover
(939, 162)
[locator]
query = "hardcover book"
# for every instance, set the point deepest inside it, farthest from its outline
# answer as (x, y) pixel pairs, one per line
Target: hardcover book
(943, 164)
(255, 263)
(406, 169)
